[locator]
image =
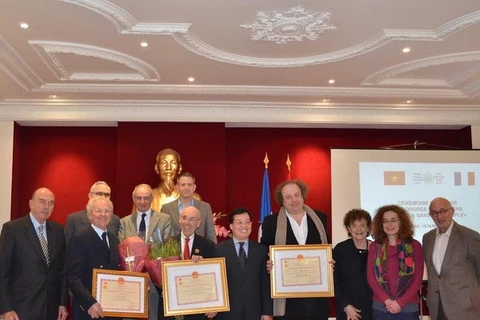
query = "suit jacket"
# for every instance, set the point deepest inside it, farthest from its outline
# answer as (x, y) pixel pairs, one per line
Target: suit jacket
(201, 246)
(458, 284)
(79, 220)
(299, 307)
(351, 286)
(206, 228)
(27, 285)
(159, 227)
(248, 290)
(85, 252)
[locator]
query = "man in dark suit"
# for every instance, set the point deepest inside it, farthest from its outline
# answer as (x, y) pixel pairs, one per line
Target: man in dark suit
(78, 220)
(193, 246)
(153, 227)
(298, 224)
(452, 257)
(186, 187)
(248, 280)
(91, 247)
(32, 249)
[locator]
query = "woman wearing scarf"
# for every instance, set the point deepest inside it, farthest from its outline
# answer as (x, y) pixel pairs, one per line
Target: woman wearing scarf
(394, 266)
(353, 296)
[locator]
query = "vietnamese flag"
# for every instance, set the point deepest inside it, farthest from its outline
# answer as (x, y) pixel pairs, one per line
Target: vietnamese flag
(394, 178)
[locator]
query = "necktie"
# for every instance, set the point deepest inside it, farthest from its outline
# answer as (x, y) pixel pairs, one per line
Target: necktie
(104, 238)
(143, 227)
(242, 256)
(43, 243)
(186, 250)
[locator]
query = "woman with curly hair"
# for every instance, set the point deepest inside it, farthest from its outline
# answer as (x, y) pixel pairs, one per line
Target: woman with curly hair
(353, 296)
(395, 265)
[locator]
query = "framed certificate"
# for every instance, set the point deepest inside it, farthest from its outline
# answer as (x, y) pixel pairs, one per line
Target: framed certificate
(121, 293)
(191, 288)
(301, 271)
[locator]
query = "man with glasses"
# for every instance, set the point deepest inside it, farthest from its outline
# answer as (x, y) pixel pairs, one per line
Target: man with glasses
(452, 257)
(78, 220)
(151, 226)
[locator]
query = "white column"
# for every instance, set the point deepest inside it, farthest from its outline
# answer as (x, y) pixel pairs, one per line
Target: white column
(6, 167)
(475, 137)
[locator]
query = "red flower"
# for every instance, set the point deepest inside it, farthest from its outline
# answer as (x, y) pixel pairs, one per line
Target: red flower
(409, 261)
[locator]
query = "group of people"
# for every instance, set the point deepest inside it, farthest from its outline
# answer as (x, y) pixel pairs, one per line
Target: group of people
(381, 279)
(40, 262)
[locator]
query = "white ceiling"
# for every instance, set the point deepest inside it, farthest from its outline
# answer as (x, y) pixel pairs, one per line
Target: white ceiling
(256, 63)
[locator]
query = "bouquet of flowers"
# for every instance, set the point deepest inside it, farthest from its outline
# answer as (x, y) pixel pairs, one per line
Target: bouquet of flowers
(159, 252)
(220, 231)
(133, 252)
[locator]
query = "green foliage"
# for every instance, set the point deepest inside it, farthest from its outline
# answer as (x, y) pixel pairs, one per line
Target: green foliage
(170, 248)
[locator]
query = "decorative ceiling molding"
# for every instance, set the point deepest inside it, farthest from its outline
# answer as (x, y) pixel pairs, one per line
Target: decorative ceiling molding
(183, 34)
(14, 65)
(385, 77)
(193, 43)
(125, 22)
(463, 75)
(235, 112)
(50, 52)
(277, 91)
(292, 25)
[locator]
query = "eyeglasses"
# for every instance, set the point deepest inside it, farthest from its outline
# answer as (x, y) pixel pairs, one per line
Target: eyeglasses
(441, 212)
(102, 194)
(100, 210)
(146, 198)
(390, 221)
(191, 219)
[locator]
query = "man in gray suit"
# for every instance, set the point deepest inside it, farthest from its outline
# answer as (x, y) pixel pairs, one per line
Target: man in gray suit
(186, 187)
(452, 257)
(151, 226)
(78, 220)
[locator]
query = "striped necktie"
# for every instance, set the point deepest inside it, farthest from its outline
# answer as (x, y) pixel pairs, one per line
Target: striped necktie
(43, 243)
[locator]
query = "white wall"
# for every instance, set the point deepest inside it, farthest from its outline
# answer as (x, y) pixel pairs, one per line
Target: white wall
(6, 166)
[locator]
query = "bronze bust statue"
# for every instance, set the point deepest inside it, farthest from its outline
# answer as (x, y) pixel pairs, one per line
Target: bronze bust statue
(168, 167)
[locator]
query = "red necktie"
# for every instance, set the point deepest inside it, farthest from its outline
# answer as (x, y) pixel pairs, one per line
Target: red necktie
(186, 250)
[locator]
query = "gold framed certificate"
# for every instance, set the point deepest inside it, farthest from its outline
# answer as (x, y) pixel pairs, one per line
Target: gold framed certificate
(301, 271)
(121, 293)
(194, 287)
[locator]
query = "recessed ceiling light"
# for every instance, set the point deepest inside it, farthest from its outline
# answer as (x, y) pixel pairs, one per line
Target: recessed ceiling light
(144, 44)
(331, 81)
(191, 79)
(409, 101)
(53, 96)
(24, 25)
(406, 49)
(326, 100)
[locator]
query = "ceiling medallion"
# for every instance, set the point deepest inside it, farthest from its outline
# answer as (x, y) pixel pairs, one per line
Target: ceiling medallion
(295, 24)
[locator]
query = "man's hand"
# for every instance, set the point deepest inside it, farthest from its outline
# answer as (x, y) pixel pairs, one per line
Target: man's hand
(269, 265)
(196, 258)
(10, 315)
(266, 317)
(210, 315)
(62, 313)
(352, 313)
(332, 263)
(95, 311)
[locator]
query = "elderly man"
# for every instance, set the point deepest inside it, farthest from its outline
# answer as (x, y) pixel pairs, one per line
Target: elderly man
(186, 187)
(79, 220)
(248, 280)
(151, 226)
(92, 247)
(298, 224)
(168, 167)
(32, 249)
(193, 246)
(452, 257)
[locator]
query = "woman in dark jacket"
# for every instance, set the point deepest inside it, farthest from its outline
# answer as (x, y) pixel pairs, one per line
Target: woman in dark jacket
(352, 293)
